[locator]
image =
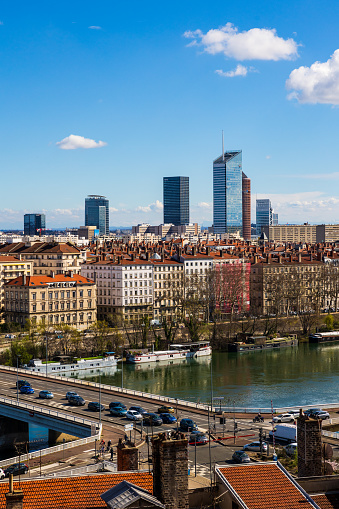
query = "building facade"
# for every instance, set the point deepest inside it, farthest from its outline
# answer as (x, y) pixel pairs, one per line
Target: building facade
(246, 207)
(227, 193)
(11, 268)
(176, 200)
(291, 233)
(264, 214)
(34, 224)
(58, 300)
(97, 213)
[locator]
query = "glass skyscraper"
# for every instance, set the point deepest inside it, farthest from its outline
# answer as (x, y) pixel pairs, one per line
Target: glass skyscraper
(34, 223)
(176, 200)
(227, 193)
(97, 213)
(264, 214)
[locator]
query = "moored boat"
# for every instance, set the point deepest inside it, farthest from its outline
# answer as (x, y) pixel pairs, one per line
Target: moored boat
(176, 351)
(67, 365)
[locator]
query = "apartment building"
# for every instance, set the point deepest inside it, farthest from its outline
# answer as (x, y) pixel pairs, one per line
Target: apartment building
(291, 233)
(47, 258)
(168, 288)
(125, 287)
(11, 268)
(51, 300)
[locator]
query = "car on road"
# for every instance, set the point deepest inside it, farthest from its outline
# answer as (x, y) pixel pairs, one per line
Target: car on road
(118, 411)
(165, 409)
(26, 389)
(10, 336)
(291, 448)
(117, 404)
(284, 418)
(71, 394)
(255, 447)
(133, 415)
(16, 469)
(310, 411)
(198, 438)
(188, 425)
(322, 414)
(46, 395)
(168, 418)
(139, 409)
(21, 383)
(76, 401)
(240, 457)
(95, 406)
(2, 474)
(151, 420)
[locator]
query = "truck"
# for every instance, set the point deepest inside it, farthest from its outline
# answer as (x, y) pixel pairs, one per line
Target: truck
(286, 432)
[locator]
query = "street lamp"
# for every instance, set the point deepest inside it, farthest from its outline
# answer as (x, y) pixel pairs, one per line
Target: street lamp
(17, 378)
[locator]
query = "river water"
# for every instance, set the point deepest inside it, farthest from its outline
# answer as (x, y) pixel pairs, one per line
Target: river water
(290, 376)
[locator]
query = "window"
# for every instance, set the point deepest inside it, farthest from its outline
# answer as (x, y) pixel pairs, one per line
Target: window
(62, 295)
(43, 295)
(43, 306)
(81, 293)
(89, 293)
(74, 295)
(68, 294)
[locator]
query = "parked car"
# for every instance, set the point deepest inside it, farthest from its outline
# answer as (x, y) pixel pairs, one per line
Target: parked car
(291, 448)
(311, 411)
(118, 411)
(95, 406)
(165, 409)
(168, 418)
(198, 438)
(21, 383)
(76, 401)
(2, 474)
(139, 409)
(117, 404)
(255, 447)
(240, 457)
(71, 394)
(26, 389)
(133, 415)
(284, 418)
(322, 414)
(151, 420)
(16, 469)
(46, 395)
(10, 336)
(188, 425)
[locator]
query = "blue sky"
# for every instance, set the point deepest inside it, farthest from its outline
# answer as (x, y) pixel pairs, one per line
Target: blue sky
(108, 97)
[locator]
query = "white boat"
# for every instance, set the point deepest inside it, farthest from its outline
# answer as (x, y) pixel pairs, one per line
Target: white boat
(176, 351)
(66, 366)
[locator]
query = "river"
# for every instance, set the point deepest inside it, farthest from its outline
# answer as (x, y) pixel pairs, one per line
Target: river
(290, 376)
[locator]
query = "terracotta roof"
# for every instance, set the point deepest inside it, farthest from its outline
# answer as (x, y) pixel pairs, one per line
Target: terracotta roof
(7, 259)
(44, 280)
(327, 500)
(264, 486)
(81, 492)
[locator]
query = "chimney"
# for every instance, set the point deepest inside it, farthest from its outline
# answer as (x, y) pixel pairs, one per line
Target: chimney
(299, 257)
(53, 274)
(309, 446)
(14, 498)
(207, 250)
(127, 456)
(71, 273)
(24, 279)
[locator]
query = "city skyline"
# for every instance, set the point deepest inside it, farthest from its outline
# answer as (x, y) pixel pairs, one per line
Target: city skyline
(77, 82)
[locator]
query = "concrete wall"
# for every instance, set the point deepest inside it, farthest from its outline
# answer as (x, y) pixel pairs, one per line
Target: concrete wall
(11, 431)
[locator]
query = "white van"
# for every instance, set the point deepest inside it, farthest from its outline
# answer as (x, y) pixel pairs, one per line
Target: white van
(291, 448)
(286, 432)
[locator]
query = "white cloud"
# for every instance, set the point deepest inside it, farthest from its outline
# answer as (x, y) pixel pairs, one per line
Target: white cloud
(268, 157)
(95, 27)
(73, 142)
(113, 209)
(153, 207)
(253, 44)
(204, 205)
(316, 84)
(240, 70)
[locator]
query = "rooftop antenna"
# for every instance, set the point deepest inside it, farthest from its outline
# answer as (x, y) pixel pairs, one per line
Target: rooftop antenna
(223, 152)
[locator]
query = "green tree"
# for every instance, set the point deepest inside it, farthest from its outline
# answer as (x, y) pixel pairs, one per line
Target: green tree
(329, 321)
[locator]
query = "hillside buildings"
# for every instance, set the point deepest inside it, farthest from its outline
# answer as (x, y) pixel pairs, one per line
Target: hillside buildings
(97, 213)
(176, 200)
(34, 224)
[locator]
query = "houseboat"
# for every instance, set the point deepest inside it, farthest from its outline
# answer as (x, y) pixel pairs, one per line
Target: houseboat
(324, 337)
(175, 351)
(66, 365)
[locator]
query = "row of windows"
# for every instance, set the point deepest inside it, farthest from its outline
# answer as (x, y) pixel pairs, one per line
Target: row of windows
(63, 295)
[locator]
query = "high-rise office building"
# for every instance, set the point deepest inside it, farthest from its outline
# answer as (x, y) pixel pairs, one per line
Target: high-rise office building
(264, 214)
(34, 224)
(275, 219)
(246, 207)
(176, 200)
(228, 193)
(97, 213)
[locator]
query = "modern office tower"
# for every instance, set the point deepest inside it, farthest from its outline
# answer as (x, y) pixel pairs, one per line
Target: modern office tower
(228, 193)
(264, 214)
(34, 224)
(97, 213)
(176, 200)
(275, 219)
(246, 207)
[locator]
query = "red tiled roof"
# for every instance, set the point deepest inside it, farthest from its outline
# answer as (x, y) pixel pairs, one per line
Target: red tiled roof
(7, 259)
(81, 492)
(44, 280)
(327, 500)
(265, 486)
